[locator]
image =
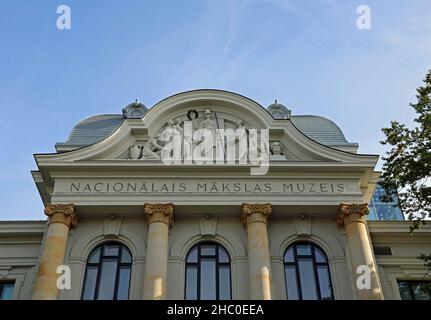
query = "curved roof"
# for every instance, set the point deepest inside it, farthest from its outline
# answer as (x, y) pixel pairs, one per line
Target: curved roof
(99, 127)
(320, 129)
(92, 130)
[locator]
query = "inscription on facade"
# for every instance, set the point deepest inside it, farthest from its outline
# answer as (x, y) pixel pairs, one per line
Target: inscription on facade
(206, 186)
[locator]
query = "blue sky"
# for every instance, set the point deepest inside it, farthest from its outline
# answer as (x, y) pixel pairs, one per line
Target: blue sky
(308, 54)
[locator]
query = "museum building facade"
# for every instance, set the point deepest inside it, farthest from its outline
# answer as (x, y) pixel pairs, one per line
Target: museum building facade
(124, 224)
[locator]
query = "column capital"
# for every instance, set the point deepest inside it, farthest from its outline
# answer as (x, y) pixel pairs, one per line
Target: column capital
(255, 212)
(349, 212)
(159, 212)
(62, 213)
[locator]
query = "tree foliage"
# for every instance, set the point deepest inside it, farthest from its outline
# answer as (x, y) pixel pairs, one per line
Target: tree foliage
(407, 165)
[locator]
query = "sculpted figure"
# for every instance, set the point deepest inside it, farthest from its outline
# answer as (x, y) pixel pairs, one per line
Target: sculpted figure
(241, 136)
(151, 149)
(135, 152)
(208, 123)
(276, 151)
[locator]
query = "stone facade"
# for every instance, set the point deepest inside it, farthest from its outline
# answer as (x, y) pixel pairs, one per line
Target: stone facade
(118, 190)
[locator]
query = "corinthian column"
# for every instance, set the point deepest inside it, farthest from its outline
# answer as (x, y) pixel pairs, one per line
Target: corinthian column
(254, 217)
(352, 217)
(156, 262)
(61, 217)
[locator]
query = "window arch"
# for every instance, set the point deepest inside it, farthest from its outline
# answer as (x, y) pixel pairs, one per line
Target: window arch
(306, 272)
(107, 273)
(208, 273)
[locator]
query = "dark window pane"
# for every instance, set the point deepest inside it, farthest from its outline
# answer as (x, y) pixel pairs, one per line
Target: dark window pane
(123, 283)
(292, 283)
(312, 265)
(110, 250)
(94, 257)
(324, 283)
(404, 290)
(303, 249)
(223, 255)
(191, 283)
(208, 249)
(208, 279)
(308, 283)
(224, 283)
(107, 280)
(288, 256)
(193, 255)
(320, 256)
(90, 283)
(208, 273)
(6, 291)
(125, 256)
(419, 293)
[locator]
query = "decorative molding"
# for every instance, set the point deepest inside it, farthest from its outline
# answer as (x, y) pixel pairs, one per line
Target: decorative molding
(208, 226)
(62, 213)
(252, 212)
(4, 271)
(353, 211)
(111, 227)
(303, 226)
(159, 212)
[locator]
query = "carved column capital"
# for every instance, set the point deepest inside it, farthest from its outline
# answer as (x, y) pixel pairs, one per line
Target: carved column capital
(255, 212)
(62, 213)
(349, 212)
(159, 212)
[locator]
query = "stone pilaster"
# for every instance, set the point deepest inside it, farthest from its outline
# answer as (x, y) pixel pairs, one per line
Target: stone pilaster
(160, 217)
(61, 217)
(255, 218)
(352, 218)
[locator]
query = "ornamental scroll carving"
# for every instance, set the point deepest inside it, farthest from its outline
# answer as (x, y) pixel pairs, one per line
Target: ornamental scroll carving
(348, 209)
(263, 210)
(159, 212)
(62, 213)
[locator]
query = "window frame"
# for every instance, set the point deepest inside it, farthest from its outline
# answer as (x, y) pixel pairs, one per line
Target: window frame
(409, 283)
(197, 264)
(99, 264)
(7, 281)
(315, 263)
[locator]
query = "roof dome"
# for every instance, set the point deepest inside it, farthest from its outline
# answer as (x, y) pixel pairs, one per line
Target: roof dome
(320, 129)
(279, 111)
(134, 110)
(90, 131)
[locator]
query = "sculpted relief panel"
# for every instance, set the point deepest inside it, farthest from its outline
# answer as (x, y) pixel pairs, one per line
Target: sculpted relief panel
(208, 135)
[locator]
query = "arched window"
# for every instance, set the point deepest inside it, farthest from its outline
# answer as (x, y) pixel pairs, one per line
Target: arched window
(208, 273)
(107, 275)
(307, 273)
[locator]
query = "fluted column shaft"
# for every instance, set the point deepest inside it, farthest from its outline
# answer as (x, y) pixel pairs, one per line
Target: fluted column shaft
(156, 263)
(254, 217)
(61, 217)
(352, 217)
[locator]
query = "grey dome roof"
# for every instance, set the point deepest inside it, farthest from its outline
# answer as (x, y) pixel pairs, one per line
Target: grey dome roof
(96, 128)
(134, 110)
(320, 129)
(91, 130)
(279, 111)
